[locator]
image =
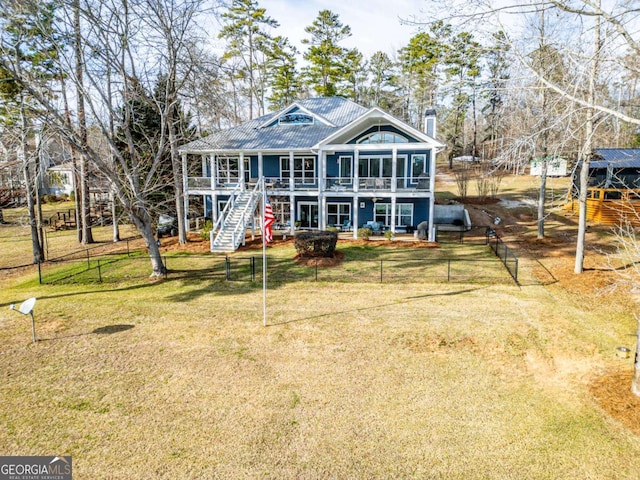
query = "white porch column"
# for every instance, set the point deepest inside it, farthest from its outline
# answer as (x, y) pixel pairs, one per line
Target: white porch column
(214, 196)
(185, 193)
(260, 166)
(213, 172)
(354, 216)
(241, 170)
(356, 173)
(292, 214)
(322, 199)
(291, 176)
(432, 187)
(393, 214)
(394, 169)
(203, 161)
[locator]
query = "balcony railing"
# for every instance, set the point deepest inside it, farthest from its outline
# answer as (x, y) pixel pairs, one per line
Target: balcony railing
(199, 183)
(333, 184)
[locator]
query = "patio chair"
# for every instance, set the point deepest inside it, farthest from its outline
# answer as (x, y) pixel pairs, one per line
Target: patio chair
(376, 228)
(346, 226)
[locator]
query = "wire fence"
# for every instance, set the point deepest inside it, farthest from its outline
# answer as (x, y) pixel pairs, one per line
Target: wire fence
(115, 269)
(503, 252)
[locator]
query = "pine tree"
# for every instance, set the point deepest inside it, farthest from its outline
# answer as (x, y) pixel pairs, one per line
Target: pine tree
(283, 75)
(325, 56)
(249, 42)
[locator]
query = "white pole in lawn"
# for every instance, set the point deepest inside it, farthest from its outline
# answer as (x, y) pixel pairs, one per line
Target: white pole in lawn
(264, 256)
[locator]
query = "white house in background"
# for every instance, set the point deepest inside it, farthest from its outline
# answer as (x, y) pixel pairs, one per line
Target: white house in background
(556, 166)
(325, 162)
(60, 179)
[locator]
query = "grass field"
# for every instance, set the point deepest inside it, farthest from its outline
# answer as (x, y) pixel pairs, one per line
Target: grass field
(363, 380)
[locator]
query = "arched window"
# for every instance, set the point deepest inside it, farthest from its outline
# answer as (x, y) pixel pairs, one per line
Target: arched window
(383, 137)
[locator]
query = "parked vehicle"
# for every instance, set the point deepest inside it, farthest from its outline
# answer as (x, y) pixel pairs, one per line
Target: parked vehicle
(167, 225)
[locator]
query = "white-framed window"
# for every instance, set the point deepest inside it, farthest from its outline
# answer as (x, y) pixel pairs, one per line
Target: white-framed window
(247, 169)
(295, 119)
(383, 137)
(345, 167)
(227, 169)
(418, 166)
(304, 169)
(308, 214)
(375, 167)
(404, 214)
(338, 213)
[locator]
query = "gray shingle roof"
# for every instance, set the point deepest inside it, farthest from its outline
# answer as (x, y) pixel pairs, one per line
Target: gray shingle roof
(616, 157)
(249, 136)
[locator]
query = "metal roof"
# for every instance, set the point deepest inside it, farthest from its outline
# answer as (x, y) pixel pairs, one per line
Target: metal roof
(252, 136)
(616, 158)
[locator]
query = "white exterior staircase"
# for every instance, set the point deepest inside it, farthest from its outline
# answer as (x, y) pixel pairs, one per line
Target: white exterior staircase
(229, 231)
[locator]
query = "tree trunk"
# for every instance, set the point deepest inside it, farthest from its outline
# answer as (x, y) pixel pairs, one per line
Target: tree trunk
(586, 152)
(85, 205)
(114, 218)
(29, 182)
(142, 221)
(176, 166)
(541, 198)
(635, 384)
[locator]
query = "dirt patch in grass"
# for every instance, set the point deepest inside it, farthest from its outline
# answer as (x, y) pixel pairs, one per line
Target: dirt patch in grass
(321, 262)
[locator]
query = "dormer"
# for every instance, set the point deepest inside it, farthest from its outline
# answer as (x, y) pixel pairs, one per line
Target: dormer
(296, 115)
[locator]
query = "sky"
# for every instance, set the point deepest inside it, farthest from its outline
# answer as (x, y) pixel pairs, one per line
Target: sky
(375, 24)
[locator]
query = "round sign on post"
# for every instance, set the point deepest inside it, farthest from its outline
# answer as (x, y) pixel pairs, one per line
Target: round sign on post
(26, 308)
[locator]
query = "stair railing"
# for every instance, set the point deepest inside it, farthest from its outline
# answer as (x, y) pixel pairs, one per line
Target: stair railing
(239, 227)
(223, 215)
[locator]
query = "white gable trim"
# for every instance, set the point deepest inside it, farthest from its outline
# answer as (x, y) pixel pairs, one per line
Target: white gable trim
(375, 112)
(292, 107)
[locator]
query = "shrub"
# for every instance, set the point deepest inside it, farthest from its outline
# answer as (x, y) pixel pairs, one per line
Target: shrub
(48, 198)
(388, 235)
(364, 233)
(332, 229)
(206, 230)
(316, 244)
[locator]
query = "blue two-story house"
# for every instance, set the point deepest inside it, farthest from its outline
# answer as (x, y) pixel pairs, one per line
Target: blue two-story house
(325, 162)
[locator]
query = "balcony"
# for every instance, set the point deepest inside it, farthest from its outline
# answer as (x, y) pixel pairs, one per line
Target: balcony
(311, 184)
(199, 183)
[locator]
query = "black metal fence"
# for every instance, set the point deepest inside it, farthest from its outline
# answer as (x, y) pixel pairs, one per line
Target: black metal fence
(503, 252)
(116, 269)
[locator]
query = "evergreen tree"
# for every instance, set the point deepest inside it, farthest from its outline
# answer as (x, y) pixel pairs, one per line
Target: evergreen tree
(419, 61)
(248, 40)
(29, 49)
(355, 75)
(498, 66)
(326, 57)
(383, 78)
(283, 75)
(140, 136)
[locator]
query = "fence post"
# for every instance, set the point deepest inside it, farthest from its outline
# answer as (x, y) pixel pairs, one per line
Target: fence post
(99, 272)
(381, 270)
(227, 268)
(88, 260)
(253, 269)
(316, 269)
(448, 269)
(128, 254)
(166, 266)
(516, 272)
(39, 273)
